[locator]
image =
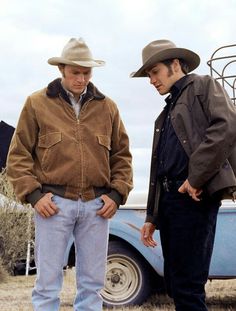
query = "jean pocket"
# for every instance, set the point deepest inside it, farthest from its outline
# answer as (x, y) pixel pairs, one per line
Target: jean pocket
(55, 199)
(99, 201)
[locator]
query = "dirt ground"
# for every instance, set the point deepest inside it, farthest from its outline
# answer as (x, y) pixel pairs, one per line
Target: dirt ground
(15, 295)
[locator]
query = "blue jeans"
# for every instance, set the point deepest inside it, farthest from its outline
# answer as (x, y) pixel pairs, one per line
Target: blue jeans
(52, 235)
(187, 231)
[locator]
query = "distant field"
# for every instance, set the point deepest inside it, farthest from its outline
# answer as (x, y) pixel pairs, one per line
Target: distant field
(15, 296)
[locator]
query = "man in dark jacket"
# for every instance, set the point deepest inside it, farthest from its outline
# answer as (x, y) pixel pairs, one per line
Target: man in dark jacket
(192, 169)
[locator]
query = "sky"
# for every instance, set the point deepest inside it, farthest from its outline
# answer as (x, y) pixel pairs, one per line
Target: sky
(116, 31)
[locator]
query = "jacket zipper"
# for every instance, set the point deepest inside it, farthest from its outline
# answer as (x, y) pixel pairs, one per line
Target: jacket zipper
(82, 158)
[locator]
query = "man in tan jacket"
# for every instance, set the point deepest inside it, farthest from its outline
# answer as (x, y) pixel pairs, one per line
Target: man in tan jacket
(70, 159)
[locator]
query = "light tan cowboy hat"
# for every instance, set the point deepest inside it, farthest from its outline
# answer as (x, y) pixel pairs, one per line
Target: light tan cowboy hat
(75, 53)
(161, 50)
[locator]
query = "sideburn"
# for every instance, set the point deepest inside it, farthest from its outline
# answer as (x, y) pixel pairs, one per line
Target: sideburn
(170, 71)
(168, 63)
(61, 68)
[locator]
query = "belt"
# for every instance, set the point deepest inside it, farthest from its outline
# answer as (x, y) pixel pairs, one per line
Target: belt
(170, 184)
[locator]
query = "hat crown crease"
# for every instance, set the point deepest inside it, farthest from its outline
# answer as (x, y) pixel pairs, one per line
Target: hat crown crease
(76, 51)
(156, 47)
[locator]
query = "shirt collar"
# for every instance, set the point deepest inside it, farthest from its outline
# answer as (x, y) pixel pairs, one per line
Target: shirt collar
(175, 90)
(71, 95)
(177, 86)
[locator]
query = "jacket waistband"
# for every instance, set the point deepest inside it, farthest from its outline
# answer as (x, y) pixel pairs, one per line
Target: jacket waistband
(61, 191)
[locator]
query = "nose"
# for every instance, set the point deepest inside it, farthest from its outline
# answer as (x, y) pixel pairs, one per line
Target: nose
(152, 80)
(80, 78)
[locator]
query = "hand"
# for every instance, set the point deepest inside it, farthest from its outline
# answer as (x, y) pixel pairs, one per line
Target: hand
(147, 232)
(45, 207)
(109, 208)
(193, 192)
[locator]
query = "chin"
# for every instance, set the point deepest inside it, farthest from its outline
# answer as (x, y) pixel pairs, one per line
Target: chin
(163, 92)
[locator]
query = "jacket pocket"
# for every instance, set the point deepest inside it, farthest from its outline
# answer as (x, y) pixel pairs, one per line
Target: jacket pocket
(105, 141)
(49, 140)
(48, 148)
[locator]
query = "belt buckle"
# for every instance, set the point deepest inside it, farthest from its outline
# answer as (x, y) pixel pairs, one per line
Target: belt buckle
(166, 185)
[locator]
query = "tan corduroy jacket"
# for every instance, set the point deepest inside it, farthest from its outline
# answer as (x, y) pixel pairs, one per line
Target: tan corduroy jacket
(54, 151)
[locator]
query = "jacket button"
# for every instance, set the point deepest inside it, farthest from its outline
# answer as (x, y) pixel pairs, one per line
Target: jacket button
(157, 130)
(152, 183)
(184, 141)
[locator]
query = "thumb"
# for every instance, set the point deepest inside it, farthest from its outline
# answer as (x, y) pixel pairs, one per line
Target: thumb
(146, 231)
(182, 188)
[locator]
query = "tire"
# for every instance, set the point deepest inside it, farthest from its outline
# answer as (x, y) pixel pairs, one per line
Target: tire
(127, 277)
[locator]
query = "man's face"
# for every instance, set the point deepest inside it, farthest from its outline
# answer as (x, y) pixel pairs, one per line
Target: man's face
(163, 77)
(75, 78)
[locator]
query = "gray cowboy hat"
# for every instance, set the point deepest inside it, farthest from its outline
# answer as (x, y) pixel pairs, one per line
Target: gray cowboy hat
(76, 53)
(161, 50)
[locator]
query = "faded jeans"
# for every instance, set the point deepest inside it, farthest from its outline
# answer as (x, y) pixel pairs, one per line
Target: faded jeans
(52, 235)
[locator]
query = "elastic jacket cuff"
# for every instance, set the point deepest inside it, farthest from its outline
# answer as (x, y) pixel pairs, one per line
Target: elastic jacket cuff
(34, 196)
(116, 197)
(149, 218)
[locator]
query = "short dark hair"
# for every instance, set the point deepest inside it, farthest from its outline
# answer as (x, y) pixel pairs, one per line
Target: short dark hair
(183, 64)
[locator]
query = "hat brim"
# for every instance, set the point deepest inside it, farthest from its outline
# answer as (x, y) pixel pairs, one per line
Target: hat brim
(190, 57)
(55, 61)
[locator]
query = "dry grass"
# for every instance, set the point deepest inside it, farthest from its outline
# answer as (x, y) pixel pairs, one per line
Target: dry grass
(3, 273)
(15, 295)
(15, 231)
(16, 226)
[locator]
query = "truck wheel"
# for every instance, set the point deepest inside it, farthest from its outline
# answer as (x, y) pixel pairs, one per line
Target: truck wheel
(127, 281)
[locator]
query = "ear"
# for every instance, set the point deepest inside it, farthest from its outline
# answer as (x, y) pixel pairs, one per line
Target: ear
(61, 68)
(176, 65)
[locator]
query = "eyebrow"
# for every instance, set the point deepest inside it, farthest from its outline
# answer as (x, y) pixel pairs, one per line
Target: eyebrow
(81, 71)
(151, 69)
